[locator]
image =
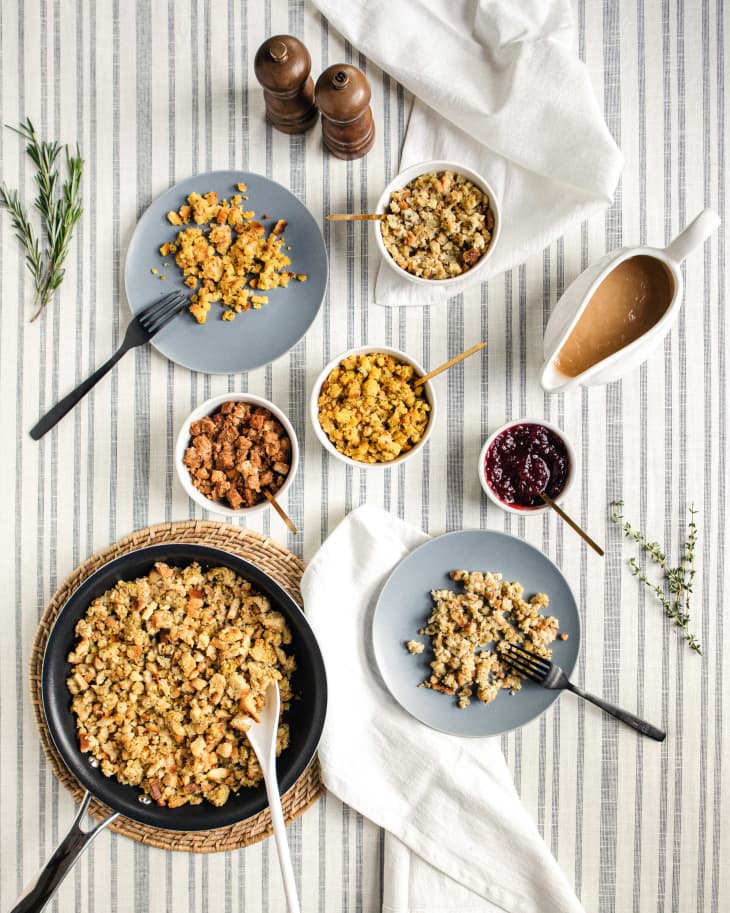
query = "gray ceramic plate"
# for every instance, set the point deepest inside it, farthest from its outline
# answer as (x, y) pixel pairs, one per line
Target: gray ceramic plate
(404, 605)
(255, 337)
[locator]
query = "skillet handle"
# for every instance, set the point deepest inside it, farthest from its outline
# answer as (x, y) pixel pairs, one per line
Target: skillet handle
(37, 895)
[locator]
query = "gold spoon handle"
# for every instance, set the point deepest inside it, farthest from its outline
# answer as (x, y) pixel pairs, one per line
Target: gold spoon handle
(355, 216)
(571, 523)
(280, 510)
(449, 364)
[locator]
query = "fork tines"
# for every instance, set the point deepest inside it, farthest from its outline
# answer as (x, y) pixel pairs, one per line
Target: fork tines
(156, 314)
(526, 663)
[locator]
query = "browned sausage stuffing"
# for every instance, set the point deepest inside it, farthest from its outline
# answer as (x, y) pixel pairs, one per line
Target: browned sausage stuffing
(237, 453)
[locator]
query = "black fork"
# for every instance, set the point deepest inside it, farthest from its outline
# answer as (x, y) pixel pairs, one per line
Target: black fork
(545, 673)
(146, 324)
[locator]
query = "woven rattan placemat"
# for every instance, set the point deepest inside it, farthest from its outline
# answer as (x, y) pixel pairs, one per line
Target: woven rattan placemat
(275, 560)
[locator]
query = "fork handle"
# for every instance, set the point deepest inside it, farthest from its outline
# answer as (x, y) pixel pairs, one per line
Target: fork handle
(65, 405)
(629, 718)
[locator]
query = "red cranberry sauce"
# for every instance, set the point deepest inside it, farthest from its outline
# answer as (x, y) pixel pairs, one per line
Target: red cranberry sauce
(525, 460)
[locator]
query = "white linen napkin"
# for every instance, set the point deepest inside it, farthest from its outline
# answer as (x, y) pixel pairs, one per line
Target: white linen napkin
(500, 89)
(458, 837)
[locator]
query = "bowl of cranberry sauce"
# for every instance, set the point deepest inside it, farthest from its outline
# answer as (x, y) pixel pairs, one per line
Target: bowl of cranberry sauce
(523, 459)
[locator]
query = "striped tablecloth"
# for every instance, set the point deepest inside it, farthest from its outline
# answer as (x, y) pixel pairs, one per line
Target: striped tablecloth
(156, 91)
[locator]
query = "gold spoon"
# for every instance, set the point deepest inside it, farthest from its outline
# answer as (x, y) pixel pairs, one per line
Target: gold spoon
(279, 509)
(571, 523)
(355, 216)
(449, 364)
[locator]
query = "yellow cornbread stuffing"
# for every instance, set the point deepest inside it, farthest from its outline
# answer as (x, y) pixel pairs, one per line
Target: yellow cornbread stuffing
(370, 410)
(226, 253)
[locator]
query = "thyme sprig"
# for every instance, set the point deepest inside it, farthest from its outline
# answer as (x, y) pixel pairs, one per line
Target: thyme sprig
(675, 591)
(59, 210)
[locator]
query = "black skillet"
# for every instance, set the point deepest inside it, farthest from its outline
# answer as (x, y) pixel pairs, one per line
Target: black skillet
(305, 717)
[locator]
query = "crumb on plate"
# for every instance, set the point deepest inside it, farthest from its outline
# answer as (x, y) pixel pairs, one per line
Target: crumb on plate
(415, 646)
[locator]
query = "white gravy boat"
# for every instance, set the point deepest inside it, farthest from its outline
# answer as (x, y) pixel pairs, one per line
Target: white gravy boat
(575, 299)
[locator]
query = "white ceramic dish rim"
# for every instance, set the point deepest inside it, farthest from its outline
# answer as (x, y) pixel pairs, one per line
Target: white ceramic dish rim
(314, 411)
(408, 174)
(646, 339)
(526, 511)
(207, 408)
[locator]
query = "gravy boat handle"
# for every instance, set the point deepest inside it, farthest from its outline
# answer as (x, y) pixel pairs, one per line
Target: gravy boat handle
(695, 233)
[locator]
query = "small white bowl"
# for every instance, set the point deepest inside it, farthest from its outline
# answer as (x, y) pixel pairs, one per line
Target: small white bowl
(517, 509)
(314, 410)
(183, 441)
(405, 177)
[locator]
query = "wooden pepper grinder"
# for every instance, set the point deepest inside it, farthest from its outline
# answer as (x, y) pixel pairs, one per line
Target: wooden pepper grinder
(342, 95)
(282, 66)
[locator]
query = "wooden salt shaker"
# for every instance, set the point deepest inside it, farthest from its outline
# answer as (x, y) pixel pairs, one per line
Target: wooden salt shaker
(342, 95)
(282, 66)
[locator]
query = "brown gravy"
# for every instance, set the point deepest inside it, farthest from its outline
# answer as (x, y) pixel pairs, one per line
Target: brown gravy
(628, 302)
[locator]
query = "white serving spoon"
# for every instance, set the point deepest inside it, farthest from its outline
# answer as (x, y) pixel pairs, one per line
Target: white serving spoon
(262, 736)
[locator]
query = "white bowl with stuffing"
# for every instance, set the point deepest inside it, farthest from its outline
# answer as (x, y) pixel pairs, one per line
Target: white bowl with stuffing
(367, 411)
(441, 223)
(233, 447)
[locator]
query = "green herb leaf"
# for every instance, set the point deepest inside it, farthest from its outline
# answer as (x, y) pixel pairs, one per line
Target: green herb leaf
(677, 581)
(60, 210)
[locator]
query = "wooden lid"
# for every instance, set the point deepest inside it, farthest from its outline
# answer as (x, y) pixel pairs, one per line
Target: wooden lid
(342, 93)
(282, 63)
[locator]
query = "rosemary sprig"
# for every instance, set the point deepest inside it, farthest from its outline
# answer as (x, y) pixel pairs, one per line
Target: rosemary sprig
(10, 200)
(59, 210)
(675, 593)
